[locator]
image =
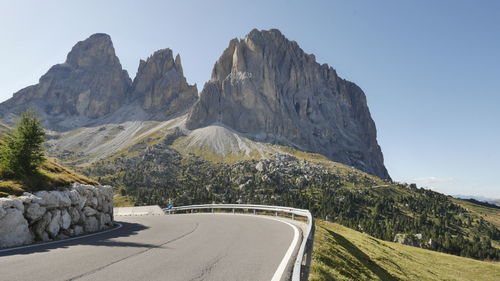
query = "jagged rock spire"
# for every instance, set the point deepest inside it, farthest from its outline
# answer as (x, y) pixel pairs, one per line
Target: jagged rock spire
(160, 84)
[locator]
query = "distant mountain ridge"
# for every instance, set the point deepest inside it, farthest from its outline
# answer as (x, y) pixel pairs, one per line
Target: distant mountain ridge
(264, 88)
(479, 199)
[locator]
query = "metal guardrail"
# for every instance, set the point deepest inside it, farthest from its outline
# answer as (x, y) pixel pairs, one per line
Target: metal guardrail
(301, 265)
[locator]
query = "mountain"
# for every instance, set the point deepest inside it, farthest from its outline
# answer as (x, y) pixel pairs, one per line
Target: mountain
(264, 91)
(93, 109)
(88, 85)
(160, 85)
(91, 89)
(268, 89)
(479, 199)
(264, 130)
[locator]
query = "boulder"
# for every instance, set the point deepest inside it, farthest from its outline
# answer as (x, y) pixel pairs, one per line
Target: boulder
(78, 230)
(62, 236)
(63, 197)
(14, 229)
(108, 220)
(88, 211)
(65, 219)
(41, 225)
(34, 211)
(55, 224)
(75, 215)
(91, 224)
(406, 239)
(261, 166)
(77, 199)
(45, 236)
(53, 199)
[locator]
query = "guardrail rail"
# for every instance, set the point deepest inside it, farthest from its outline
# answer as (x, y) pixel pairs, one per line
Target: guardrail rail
(303, 260)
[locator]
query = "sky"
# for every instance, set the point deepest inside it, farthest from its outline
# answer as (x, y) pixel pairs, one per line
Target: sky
(430, 69)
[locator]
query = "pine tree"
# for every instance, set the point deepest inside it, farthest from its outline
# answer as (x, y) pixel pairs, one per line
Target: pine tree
(21, 151)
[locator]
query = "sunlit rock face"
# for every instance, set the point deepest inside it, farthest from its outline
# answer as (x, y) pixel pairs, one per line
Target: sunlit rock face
(267, 87)
(89, 84)
(160, 85)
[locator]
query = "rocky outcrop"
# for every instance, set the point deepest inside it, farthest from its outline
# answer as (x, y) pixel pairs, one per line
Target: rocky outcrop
(48, 215)
(90, 84)
(412, 240)
(267, 88)
(13, 226)
(160, 85)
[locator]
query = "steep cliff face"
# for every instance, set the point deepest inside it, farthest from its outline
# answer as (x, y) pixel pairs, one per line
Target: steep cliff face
(90, 84)
(160, 85)
(266, 87)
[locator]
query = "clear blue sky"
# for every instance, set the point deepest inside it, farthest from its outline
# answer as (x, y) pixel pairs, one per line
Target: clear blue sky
(430, 69)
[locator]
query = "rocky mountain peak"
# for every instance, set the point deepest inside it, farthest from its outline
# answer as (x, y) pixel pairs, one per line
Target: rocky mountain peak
(96, 50)
(90, 84)
(160, 84)
(178, 64)
(266, 87)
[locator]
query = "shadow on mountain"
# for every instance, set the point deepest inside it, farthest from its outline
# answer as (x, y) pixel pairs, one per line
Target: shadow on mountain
(105, 239)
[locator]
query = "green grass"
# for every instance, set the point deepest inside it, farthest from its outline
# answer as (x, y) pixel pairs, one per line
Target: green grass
(341, 253)
(489, 214)
(123, 201)
(49, 177)
(4, 128)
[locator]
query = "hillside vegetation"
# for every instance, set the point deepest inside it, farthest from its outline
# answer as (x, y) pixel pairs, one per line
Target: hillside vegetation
(341, 253)
(51, 176)
(3, 128)
(155, 174)
(42, 174)
(489, 213)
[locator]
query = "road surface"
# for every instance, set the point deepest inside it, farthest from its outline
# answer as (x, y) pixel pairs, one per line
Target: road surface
(176, 247)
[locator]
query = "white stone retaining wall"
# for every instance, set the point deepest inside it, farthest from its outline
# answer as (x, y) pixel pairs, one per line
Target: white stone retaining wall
(50, 215)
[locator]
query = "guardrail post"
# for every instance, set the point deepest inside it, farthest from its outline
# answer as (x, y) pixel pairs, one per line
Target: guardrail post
(293, 216)
(276, 214)
(254, 211)
(212, 210)
(233, 210)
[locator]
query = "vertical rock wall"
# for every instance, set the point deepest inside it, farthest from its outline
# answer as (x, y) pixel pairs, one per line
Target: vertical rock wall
(50, 215)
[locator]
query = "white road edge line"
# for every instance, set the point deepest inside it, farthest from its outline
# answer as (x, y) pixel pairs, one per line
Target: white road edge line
(284, 262)
(119, 225)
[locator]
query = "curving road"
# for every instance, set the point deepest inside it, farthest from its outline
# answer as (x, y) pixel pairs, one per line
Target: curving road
(177, 247)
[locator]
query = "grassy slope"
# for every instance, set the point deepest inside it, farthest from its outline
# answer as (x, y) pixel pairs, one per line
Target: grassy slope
(51, 176)
(341, 253)
(489, 214)
(3, 128)
(123, 201)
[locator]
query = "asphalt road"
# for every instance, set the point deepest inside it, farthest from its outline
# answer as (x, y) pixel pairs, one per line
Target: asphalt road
(176, 247)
